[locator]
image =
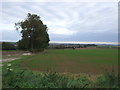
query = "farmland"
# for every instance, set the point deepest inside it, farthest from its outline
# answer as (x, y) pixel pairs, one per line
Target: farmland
(73, 61)
(92, 61)
(66, 68)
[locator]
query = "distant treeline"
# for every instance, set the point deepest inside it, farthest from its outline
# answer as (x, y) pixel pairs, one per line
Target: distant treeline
(8, 46)
(64, 46)
(14, 46)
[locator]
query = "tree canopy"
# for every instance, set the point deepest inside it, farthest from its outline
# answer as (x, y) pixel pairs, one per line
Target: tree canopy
(34, 33)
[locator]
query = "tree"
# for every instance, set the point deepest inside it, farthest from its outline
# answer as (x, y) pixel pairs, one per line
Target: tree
(34, 33)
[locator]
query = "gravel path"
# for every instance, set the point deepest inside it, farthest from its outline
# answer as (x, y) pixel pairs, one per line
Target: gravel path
(12, 58)
(9, 59)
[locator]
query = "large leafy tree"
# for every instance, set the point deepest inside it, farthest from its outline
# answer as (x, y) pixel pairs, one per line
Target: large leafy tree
(34, 33)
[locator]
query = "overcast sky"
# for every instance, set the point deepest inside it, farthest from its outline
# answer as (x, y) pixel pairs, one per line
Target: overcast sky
(67, 21)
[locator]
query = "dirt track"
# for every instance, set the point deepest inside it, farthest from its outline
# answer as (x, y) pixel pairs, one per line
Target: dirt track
(12, 55)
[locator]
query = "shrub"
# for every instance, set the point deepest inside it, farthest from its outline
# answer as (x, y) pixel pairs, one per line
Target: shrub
(28, 79)
(107, 80)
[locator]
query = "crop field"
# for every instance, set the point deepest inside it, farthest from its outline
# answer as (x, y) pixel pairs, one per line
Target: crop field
(61, 68)
(90, 61)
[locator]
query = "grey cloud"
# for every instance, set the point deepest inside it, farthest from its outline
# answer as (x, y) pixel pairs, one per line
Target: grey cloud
(10, 36)
(89, 37)
(90, 20)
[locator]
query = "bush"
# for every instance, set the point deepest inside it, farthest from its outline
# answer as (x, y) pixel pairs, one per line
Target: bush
(107, 80)
(28, 79)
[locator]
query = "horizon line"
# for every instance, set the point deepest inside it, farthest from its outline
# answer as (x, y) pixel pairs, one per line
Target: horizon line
(78, 42)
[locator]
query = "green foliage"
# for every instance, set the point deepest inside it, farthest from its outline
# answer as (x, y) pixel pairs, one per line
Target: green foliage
(34, 34)
(27, 79)
(80, 82)
(107, 80)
